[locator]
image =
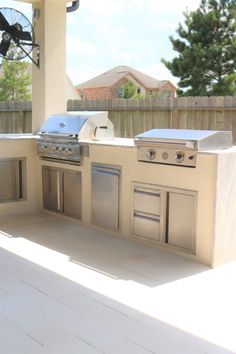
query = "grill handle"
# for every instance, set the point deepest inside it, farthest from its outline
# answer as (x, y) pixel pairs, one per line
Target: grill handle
(52, 135)
(186, 145)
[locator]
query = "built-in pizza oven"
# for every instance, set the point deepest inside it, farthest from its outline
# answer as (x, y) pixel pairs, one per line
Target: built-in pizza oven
(61, 135)
(179, 147)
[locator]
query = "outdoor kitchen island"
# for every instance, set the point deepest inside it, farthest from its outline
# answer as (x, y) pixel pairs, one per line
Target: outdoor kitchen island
(146, 197)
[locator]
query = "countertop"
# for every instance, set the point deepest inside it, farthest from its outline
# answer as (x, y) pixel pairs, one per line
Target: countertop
(110, 142)
(121, 142)
(17, 136)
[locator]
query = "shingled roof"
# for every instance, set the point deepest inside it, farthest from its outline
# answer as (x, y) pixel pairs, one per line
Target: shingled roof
(111, 77)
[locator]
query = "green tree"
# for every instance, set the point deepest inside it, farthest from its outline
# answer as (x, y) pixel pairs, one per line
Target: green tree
(206, 47)
(15, 81)
(128, 90)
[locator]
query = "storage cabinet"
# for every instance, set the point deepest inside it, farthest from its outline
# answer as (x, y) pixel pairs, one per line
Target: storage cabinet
(62, 191)
(146, 216)
(12, 180)
(105, 196)
(166, 215)
(181, 220)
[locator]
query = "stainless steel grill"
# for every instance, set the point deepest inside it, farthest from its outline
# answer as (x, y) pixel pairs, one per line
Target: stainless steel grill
(60, 136)
(177, 146)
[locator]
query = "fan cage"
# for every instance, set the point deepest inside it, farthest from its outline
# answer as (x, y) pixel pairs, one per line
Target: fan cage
(22, 48)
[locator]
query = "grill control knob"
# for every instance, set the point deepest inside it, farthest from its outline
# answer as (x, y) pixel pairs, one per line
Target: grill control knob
(67, 151)
(179, 157)
(42, 148)
(151, 154)
(165, 155)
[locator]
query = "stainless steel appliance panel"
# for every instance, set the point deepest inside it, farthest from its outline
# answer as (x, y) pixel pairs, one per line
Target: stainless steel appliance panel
(72, 193)
(146, 201)
(179, 146)
(181, 220)
(156, 154)
(11, 180)
(146, 227)
(58, 151)
(105, 196)
(52, 189)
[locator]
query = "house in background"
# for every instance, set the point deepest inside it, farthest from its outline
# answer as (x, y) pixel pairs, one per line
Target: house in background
(109, 84)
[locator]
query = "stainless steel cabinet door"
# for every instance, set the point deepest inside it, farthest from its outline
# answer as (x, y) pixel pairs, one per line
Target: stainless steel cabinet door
(11, 180)
(52, 191)
(72, 193)
(182, 220)
(105, 197)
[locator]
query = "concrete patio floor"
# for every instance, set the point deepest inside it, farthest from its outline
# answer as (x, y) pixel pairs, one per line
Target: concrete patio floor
(68, 289)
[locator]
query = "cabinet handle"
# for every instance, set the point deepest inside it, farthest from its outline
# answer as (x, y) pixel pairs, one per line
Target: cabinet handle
(146, 217)
(107, 172)
(58, 191)
(153, 194)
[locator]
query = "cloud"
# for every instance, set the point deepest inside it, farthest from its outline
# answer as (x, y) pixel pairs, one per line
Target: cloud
(159, 72)
(171, 7)
(75, 45)
(82, 73)
(102, 8)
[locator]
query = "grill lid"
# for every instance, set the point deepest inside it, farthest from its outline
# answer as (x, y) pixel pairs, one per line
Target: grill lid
(63, 124)
(195, 139)
(79, 125)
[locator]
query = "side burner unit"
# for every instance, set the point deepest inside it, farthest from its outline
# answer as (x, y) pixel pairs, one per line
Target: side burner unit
(60, 136)
(177, 146)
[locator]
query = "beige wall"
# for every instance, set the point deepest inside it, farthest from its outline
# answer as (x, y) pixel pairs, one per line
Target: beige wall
(49, 81)
(225, 216)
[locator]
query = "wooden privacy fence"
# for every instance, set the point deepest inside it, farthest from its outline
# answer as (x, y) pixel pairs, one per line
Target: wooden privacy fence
(132, 116)
(15, 117)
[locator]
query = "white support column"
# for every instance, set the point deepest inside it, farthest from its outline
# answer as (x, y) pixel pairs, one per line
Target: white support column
(49, 81)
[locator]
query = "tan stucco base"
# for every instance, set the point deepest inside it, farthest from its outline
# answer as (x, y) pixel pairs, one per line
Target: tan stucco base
(213, 180)
(23, 148)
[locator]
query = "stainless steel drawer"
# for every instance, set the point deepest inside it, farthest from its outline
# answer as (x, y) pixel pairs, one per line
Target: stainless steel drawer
(146, 202)
(146, 227)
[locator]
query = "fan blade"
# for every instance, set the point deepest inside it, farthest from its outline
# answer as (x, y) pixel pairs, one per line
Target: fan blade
(4, 46)
(3, 23)
(25, 36)
(18, 34)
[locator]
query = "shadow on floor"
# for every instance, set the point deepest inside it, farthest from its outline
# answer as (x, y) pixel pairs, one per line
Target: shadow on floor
(48, 314)
(101, 251)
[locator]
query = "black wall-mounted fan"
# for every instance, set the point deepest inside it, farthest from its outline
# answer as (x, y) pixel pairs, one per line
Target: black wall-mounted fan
(16, 36)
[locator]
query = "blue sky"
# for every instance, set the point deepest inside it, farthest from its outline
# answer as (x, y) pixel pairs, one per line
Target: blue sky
(107, 33)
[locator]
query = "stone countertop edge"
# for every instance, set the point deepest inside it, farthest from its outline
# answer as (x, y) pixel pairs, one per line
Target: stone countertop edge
(123, 142)
(219, 151)
(18, 136)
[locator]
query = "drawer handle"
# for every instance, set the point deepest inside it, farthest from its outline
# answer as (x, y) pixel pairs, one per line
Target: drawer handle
(149, 218)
